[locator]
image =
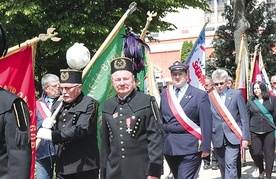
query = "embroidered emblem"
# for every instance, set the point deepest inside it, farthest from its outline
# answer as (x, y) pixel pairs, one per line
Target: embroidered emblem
(120, 64)
(64, 76)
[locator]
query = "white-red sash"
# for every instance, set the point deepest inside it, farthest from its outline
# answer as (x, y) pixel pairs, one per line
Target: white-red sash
(225, 114)
(180, 115)
(43, 109)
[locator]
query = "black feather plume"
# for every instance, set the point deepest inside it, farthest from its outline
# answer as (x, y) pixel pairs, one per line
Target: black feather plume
(133, 50)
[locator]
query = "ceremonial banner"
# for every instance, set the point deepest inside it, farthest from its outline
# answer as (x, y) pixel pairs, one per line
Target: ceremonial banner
(263, 73)
(256, 72)
(17, 77)
(241, 81)
(259, 73)
(196, 62)
(97, 81)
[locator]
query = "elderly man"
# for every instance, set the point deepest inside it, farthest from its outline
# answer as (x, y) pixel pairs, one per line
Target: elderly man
(230, 124)
(187, 123)
(75, 130)
(15, 144)
(131, 130)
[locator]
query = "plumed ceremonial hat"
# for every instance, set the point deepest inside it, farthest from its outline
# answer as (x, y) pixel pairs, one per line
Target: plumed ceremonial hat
(178, 67)
(70, 76)
(121, 63)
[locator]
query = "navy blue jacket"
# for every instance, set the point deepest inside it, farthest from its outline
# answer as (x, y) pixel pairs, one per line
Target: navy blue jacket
(196, 106)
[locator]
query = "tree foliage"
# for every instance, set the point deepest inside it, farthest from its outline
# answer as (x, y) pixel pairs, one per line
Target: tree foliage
(262, 31)
(83, 21)
(185, 50)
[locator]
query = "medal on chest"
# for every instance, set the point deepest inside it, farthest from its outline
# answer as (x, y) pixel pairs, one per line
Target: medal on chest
(128, 124)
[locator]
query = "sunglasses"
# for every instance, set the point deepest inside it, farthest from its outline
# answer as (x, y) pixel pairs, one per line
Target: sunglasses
(221, 83)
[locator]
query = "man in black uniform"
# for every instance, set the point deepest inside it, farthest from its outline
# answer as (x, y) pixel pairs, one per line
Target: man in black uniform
(131, 130)
(75, 130)
(15, 145)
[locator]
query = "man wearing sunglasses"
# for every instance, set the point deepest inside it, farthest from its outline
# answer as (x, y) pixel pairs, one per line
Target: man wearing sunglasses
(75, 130)
(230, 124)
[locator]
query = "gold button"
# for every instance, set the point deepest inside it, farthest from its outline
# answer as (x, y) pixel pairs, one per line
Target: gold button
(123, 149)
(121, 135)
(121, 115)
(63, 148)
(123, 156)
(121, 108)
(121, 128)
(122, 142)
(64, 120)
(121, 122)
(139, 119)
(63, 125)
(63, 114)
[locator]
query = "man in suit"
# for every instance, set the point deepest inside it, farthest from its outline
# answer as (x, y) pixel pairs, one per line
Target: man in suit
(46, 151)
(187, 123)
(75, 130)
(211, 160)
(230, 123)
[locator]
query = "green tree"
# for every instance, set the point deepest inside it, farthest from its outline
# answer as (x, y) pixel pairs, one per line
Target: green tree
(185, 50)
(262, 31)
(83, 21)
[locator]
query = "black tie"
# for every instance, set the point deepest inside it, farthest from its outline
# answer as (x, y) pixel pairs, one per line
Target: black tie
(177, 92)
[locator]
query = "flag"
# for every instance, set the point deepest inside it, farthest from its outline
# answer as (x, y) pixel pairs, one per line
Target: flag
(259, 73)
(256, 72)
(17, 77)
(97, 82)
(196, 62)
(263, 73)
(241, 81)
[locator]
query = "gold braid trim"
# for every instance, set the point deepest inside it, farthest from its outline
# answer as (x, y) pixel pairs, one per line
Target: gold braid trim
(16, 114)
(24, 115)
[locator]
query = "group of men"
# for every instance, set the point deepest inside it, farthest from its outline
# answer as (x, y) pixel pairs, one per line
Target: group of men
(135, 134)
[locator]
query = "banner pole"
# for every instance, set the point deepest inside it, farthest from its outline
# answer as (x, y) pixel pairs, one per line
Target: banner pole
(110, 37)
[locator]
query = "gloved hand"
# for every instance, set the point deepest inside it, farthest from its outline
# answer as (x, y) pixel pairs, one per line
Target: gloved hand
(48, 123)
(44, 133)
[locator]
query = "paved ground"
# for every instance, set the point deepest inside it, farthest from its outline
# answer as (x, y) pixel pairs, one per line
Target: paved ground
(248, 172)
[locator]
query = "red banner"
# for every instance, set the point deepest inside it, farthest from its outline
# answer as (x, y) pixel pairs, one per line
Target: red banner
(17, 77)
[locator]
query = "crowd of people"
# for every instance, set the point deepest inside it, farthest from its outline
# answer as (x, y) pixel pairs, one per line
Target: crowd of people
(190, 126)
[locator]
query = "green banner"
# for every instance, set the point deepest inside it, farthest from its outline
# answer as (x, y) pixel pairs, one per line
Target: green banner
(97, 82)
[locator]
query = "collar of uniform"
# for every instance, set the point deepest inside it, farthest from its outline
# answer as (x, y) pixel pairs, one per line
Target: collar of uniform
(127, 99)
(74, 102)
